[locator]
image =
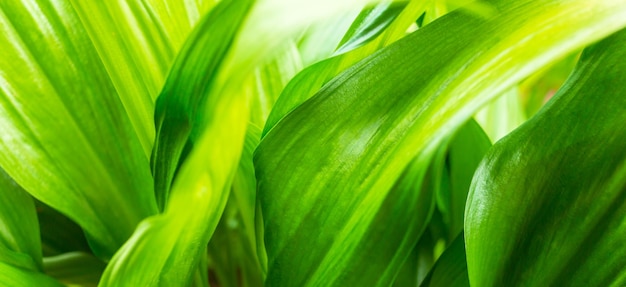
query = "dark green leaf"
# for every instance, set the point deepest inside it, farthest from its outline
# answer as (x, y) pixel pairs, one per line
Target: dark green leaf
(75, 268)
(451, 268)
(326, 170)
(548, 203)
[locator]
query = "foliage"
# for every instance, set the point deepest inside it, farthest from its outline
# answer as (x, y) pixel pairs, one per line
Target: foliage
(312, 143)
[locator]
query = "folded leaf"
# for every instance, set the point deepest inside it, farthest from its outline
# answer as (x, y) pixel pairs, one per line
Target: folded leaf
(180, 234)
(180, 113)
(325, 171)
(66, 137)
(547, 204)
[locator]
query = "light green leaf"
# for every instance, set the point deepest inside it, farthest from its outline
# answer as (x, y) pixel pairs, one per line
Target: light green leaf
(180, 234)
(309, 81)
(180, 112)
(332, 161)
(270, 79)
(320, 41)
(451, 268)
(20, 245)
(137, 41)
(547, 204)
(541, 86)
(244, 185)
(449, 179)
(430, 185)
(370, 23)
(136, 52)
(233, 247)
(18, 277)
(201, 188)
(66, 137)
(503, 115)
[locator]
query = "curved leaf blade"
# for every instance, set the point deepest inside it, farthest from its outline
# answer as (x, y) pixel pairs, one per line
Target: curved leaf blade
(180, 113)
(319, 167)
(13, 276)
(70, 145)
(199, 194)
(450, 270)
(547, 203)
(20, 245)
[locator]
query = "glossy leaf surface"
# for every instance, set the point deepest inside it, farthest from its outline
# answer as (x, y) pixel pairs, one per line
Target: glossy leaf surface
(200, 192)
(340, 153)
(547, 205)
(70, 145)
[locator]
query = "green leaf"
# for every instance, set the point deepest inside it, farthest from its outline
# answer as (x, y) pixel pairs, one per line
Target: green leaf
(244, 186)
(466, 150)
(321, 40)
(538, 88)
(233, 246)
(200, 192)
(66, 137)
(19, 232)
(430, 186)
(75, 268)
(326, 170)
(309, 81)
(201, 188)
(18, 277)
(180, 113)
(369, 24)
(136, 51)
(59, 234)
(270, 79)
(503, 115)
(548, 202)
(451, 268)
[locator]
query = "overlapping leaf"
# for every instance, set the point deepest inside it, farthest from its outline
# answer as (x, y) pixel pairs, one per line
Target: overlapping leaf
(307, 83)
(180, 107)
(75, 268)
(503, 115)
(466, 150)
(66, 137)
(20, 245)
(211, 111)
(333, 160)
(201, 190)
(451, 268)
(547, 205)
(136, 41)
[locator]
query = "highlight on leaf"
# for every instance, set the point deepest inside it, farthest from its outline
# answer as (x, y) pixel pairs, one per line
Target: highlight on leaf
(312, 143)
